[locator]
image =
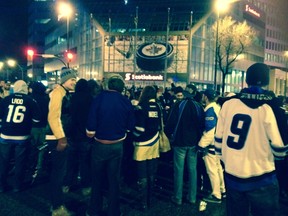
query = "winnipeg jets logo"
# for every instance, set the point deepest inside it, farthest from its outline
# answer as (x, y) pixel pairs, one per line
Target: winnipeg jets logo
(154, 49)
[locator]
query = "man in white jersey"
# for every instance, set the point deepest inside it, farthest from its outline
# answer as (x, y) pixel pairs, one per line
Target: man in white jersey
(212, 162)
(249, 140)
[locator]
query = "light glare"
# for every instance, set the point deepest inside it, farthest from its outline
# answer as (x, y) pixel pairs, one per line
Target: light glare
(222, 5)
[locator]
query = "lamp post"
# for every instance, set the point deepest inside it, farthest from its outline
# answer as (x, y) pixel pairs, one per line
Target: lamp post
(13, 63)
(286, 73)
(135, 45)
(65, 10)
(52, 56)
(30, 54)
(216, 52)
(2, 65)
(220, 6)
(167, 41)
(46, 56)
(190, 48)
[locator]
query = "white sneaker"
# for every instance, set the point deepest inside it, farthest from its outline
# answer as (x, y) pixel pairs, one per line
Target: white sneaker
(61, 211)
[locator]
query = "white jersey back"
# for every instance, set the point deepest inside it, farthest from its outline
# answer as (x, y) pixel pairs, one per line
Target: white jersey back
(247, 138)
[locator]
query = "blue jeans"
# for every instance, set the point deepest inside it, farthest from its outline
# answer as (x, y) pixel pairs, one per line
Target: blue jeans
(20, 155)
(106, 163)
(180, 155)
(262, 202)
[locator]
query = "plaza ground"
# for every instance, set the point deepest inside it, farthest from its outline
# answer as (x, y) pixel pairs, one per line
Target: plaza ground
(34, 201)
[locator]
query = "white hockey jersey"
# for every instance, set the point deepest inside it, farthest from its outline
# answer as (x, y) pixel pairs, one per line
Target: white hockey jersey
(248, 139)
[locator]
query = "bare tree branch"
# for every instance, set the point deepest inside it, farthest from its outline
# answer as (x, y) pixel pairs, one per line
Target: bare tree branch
(233, 39)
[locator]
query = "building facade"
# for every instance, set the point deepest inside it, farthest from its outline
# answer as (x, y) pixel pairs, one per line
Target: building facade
(163, 42)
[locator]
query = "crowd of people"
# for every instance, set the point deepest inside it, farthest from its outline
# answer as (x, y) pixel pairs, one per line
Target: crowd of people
(232, 147)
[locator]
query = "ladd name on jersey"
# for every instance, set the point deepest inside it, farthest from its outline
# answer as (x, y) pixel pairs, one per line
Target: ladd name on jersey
(17, 101)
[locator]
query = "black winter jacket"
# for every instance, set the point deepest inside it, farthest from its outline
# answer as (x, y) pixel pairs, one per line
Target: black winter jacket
(191, 124)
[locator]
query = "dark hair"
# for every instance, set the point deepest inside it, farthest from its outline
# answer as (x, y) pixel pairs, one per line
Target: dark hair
(198, 96)
(116, 84)
(81, 85)
(37, 88)
(148, 93)
(210, 94)
(257, 75)
(178, 89)
(94, 87)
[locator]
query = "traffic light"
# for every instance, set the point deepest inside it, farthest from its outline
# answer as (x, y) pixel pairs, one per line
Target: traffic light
(30, 54)
(69, 56)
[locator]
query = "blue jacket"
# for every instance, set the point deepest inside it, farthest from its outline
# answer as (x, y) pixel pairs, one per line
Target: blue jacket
(111, 116)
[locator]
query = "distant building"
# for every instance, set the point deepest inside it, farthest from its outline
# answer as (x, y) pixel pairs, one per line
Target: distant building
(119, 36)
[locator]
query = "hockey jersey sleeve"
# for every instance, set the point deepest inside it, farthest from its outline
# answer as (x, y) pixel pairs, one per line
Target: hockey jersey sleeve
(219, 133)
(140, 121)
(207, 138)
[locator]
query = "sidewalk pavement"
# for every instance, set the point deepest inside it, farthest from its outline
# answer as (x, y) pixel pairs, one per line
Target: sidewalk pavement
(34, 201)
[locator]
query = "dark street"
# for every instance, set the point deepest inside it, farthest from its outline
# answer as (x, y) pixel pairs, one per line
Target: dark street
(34, 201)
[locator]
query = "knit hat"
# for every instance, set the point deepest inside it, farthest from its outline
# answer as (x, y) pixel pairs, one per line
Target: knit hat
(257, 75)
(66, 74)
(211, 94)
(20, 87)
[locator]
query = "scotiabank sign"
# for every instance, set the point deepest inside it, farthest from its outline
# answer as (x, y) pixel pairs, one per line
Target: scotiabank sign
(254, 15)
(144, 77)
(252, 11)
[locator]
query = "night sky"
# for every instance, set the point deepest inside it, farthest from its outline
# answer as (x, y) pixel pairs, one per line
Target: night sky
(13, 29)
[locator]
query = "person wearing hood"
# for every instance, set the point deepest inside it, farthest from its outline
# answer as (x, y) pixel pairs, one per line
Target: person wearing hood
(80, 146)
(18, 111)
(38, 131)
(248, 138)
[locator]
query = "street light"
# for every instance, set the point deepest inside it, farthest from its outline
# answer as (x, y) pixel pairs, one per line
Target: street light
(65, 10)
(13, 63)
(52, 56)
(30, 55)
(46, 56)
(220, 6)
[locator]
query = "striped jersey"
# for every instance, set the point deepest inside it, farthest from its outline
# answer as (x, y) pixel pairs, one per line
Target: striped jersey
(248, 138)
(17, 112)
(148, 124)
